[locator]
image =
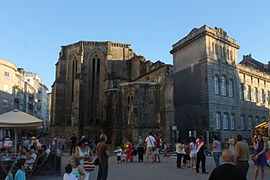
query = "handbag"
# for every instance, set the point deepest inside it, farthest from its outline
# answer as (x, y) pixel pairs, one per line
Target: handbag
(255, 158)
(96, 162)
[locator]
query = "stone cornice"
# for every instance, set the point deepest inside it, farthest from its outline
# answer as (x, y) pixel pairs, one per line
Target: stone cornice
(98, 43)
(195, 34)
(253, 72)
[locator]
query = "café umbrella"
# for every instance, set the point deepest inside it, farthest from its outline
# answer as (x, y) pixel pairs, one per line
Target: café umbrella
(18, 120)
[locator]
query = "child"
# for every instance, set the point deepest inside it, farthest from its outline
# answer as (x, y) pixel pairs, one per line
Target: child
(119, 154)
(77, 169)
(68, 175)
(187, 155)
(20, 174)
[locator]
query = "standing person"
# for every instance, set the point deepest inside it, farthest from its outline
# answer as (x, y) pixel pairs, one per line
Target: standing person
(260, 151)
(150, 147)
(157, 148)
(216, 150)
(83, 152)
(128, 147)
(228, 170)
(180, 151)
(201, 146)
(20, 174)
(186, 160)
(193, 152)
(73, 140)
(119, 152)
(231, 144)
(103, 155)
(241, 153)
(58, 150)
(140, 147)
(63, 142)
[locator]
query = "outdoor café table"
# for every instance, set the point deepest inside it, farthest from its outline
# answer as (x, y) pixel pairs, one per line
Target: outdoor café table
(7, 161)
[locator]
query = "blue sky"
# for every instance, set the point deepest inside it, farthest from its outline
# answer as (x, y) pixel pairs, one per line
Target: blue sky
(32, 32)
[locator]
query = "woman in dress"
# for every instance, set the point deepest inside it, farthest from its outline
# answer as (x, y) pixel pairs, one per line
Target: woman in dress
(82, 152)
(260, 149)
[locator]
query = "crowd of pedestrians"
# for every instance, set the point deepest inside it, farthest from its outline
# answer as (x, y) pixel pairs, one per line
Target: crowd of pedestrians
(189, 154)
(236, 156)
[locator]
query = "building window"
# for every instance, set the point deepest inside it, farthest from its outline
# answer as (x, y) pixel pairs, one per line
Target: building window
(257, 120)
(263, 96)
(225, 121)
(241, 91)
(256, 94)
(223, 86)
(230, 88)
(263, 119)
(249, 123)
(213, 48)
(268, 97)
(228, 57)
(220, 52)
(6, 73)
(216, 50)
(248, 93)
(218, 120)
(5, 103)
(231, 55)
(216, 84)
(242, 122)
(5, 87)
(224, 52)
(232, 121)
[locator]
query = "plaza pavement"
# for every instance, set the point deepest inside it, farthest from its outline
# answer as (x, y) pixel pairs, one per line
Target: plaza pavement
(165, 170)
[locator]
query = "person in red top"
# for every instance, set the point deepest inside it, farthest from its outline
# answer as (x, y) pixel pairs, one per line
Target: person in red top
(128, 146)
(157, 148)
(201, 146)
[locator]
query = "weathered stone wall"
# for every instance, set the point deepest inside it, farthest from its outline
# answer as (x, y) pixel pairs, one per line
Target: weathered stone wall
(90, 94)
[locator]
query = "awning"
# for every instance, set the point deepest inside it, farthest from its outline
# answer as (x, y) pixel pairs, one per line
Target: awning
(16, 119)
(263, 125)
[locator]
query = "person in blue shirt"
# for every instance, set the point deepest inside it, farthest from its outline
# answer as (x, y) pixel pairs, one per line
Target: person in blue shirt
(20, 174)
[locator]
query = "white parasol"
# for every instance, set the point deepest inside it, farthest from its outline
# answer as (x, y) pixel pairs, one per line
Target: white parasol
(18, 120)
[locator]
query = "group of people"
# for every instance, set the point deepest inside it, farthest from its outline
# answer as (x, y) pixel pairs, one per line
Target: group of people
(193, 154)
(151, 145)
(82, 162)
(24, 157)
(235, 156)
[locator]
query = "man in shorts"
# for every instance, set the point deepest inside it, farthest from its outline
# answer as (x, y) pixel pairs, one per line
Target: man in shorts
(157, 148)
(150, 147)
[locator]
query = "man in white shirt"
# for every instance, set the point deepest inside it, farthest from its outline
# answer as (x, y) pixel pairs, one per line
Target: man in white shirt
(31, 159)
(150, 146)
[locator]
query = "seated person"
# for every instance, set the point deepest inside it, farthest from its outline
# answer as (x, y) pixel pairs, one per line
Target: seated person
(23, 154)
(45, 151)
(31, 159)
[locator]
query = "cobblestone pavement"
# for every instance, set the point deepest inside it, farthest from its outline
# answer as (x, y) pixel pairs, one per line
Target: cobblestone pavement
(159, 171)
